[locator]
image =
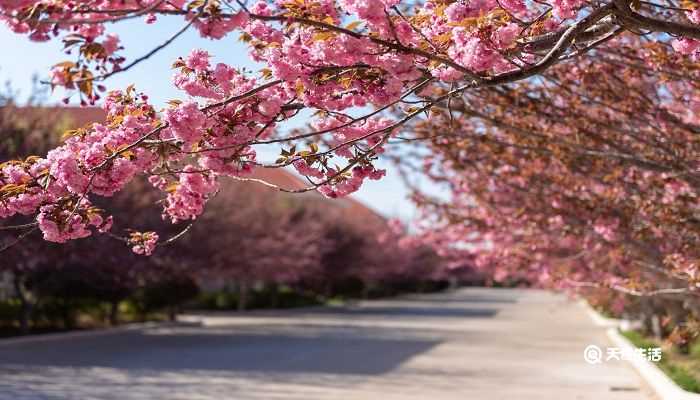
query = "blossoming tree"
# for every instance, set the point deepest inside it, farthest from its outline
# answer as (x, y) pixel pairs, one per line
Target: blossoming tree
(251, 236)
(587, 176)
(332, 58)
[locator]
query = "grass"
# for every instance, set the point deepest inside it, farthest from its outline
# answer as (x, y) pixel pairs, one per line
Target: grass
(683, 369)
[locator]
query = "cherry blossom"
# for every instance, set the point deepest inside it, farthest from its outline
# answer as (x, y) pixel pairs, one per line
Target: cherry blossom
(359, 72)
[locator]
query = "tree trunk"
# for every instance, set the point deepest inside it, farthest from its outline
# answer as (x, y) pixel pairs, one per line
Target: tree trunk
(172, 312)
(656, 326)
(365, 291)
(328, 290)
(421, 287)
(242, 296)
(647, 311)
(114, 313)
(274, 296)
(25, 308)
(67, 314)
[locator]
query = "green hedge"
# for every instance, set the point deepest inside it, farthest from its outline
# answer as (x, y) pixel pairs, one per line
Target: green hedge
(284, 297)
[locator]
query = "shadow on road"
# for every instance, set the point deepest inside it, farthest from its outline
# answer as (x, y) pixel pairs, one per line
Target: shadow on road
(472, 343)
(356, 339)
(275, 349)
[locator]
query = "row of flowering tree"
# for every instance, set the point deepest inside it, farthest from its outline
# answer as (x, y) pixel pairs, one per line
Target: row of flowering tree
(586, 176)
(249, 237)
(585, 179)
(328, 57)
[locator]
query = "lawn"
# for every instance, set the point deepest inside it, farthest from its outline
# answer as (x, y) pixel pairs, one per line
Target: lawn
(684, 369)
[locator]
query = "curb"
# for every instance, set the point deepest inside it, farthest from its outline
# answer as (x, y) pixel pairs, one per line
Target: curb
(83, 334)
(605, 322)
(664, 387)
(598, 319)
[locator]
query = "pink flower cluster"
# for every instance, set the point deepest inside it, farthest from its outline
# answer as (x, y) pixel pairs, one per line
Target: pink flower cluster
(143, 243)
(57, 187)
(187, 147)
(62, 224)
(187, 199)
(343, 186)
(186, 123)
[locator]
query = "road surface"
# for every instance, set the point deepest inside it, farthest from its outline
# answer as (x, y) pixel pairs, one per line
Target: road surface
(483, 344)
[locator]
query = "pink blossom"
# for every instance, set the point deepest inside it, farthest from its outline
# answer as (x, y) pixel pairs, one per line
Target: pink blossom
(217, 28)
(472, 52)
(143, 243)
(305, 169)
(505, 36)
(606, 228)
(186, 201)
(65, 169)
(514, 6)
(58, 76)
(685, 45)
(186, 122)
(566, 8)
(456, 12)
(694, 16)
(198, 60)
(111, 44)
(270, 107)
(60, 225)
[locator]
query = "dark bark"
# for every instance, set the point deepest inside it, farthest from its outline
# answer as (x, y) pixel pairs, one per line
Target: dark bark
(242, 296)
(172, 313)
(274, 295)
(68, 315)
(647, 314)
(365, 291)
(25, 309)
(114, 313)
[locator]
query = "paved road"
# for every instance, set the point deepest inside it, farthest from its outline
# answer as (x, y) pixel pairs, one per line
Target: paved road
(483, 344)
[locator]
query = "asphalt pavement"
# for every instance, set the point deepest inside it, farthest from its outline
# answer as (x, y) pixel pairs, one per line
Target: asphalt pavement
(473, 343)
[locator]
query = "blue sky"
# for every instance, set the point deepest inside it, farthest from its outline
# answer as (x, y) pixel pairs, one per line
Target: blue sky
(23, 58)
